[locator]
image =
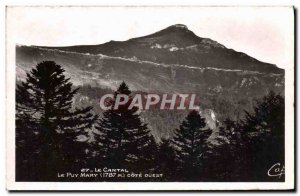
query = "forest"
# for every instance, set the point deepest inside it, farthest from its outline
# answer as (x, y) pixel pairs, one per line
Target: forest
(52, 132)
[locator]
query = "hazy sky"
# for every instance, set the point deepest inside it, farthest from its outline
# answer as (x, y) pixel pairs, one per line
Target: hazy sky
(261, 32)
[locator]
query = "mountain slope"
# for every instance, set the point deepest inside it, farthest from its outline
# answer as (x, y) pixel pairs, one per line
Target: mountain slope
(177, 45)
(149, 76)
(173, 60)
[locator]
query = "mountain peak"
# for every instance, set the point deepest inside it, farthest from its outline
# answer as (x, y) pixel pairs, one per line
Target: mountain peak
(177, 34)
(177, 45)
(182, 26)
(176, 28)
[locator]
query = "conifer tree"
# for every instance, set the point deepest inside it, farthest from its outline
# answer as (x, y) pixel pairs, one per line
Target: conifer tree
(251, 146)
(166, 160)
(47, 123)
(191, 146)
(228, 160)
(265, 127)
(147, 161)
(123, 140)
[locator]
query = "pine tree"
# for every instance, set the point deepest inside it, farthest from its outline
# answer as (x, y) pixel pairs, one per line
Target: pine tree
(47, 123)
(190, 142)
(268, 116)
(165, 160)
(123, 140)
(266, 129)
(228, 160)
(147, 161)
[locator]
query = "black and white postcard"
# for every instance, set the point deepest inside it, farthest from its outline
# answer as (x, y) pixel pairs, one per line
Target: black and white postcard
(150, 98)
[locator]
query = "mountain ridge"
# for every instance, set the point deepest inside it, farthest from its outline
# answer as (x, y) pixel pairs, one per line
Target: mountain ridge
(176, 44)
(141, 61)
(227, 91)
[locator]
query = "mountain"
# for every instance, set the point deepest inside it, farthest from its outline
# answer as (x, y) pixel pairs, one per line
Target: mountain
(180, 46)
(173, 60)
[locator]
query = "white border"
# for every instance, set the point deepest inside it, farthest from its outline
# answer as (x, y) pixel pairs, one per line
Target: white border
(10, 148)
